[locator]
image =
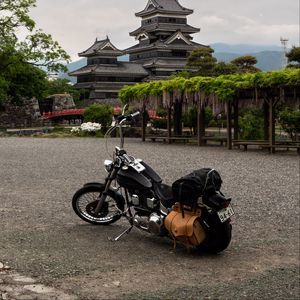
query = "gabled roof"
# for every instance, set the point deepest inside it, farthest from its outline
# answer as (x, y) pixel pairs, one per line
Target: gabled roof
(103, 47)
(164, 6)
(185, 28)
(178, 36)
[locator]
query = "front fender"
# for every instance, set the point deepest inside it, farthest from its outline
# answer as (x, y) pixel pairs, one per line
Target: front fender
(115, 194)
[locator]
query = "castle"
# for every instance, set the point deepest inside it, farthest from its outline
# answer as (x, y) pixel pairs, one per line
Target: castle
(164, 44)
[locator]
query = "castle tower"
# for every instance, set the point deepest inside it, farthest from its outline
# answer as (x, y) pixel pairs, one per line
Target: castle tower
(104, 75)
(164, 38)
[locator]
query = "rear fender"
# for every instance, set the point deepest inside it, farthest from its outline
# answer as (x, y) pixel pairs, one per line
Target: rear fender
(116, 194)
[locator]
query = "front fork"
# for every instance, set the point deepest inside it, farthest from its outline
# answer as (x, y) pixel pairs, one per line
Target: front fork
(104, 194)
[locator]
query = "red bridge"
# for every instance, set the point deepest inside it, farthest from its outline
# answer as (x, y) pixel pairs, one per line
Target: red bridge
(69, 113)
(64, 113)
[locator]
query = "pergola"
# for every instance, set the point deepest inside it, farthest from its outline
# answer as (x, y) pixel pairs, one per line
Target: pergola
(228, 93)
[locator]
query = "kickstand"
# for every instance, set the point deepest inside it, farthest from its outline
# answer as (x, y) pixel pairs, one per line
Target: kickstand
(120, 235)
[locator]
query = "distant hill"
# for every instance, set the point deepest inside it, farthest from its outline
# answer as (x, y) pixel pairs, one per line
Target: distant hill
(269, 57)
(244, 48)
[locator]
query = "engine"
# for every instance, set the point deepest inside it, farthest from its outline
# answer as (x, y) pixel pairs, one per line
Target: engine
(153, 223)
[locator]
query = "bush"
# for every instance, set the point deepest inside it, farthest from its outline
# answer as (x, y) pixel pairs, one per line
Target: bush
(290, 121)
(99, 113)
(251, 124)
(191, 116)
(159, 123)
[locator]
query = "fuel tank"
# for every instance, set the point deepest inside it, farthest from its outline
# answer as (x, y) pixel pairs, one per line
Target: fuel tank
(133, 180)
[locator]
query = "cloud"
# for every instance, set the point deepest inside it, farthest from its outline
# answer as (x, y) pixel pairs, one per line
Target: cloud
(75, 24)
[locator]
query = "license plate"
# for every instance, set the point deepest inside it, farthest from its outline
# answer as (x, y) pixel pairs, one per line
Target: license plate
(225, 213)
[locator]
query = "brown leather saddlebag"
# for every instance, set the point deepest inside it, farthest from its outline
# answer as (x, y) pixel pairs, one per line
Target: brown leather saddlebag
(184, 226)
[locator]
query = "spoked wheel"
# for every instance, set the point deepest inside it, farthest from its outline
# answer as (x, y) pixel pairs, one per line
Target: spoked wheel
(85, 201)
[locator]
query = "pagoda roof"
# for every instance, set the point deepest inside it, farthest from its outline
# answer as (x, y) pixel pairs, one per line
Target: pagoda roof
(168, 44)
(164, 6)
(165, 63)
(102, 48)
(121, 68)
(165, 27)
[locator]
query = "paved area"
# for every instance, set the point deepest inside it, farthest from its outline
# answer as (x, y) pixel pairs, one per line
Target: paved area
(46, 252)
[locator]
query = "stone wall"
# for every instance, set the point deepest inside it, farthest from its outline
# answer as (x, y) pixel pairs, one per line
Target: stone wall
(29, 113)
(25, 115)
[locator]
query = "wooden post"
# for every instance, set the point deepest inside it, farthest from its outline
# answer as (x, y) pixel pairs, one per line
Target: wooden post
(200, 124)
(266, 120)
(229, 126)
(236, 119)
(271, 125)
(169, 124)
(144, 123)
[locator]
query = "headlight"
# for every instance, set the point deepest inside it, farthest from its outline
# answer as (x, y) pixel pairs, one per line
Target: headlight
(108, 164)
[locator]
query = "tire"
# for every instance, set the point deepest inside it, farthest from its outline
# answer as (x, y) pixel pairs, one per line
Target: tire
(85, 200)
(218, 235)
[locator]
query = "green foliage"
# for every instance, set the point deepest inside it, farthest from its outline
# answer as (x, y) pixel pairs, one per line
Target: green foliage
(99, 113)
(159, 123)
(202, 60)
(19, 77)
(37, 48)
(251, 124)
(224, 86)
(294, 57)
(245, 64)
(290, 121)
(222, 68)
(190, 118)
(61, 86)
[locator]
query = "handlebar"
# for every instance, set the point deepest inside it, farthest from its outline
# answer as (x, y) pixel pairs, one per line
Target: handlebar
(118, 124)
(121, 119)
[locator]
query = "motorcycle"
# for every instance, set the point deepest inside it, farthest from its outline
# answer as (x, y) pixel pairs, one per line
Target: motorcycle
(193, 211)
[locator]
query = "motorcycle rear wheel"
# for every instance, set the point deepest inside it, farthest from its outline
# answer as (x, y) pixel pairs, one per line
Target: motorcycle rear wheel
(85, 201)
(218, 236)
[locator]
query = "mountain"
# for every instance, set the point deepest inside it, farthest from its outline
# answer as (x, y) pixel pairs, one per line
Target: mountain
(269, 57)
(244, 49)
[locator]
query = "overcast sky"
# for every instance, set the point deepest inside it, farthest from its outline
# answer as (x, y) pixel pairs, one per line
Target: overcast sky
(76, 23)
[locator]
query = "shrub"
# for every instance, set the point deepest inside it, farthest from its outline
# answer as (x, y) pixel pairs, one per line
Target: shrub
(99, 113)
(251, 124)
(290, 121)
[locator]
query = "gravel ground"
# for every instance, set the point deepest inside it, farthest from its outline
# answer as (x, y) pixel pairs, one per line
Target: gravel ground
(43, 239)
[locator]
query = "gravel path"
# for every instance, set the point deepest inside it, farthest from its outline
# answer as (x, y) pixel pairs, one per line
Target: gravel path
(42, 239)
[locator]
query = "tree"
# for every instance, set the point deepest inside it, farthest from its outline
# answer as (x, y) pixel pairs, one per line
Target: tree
(61, 86)
(290, 121)
(245, 64)
(202, 61)
(100, 113)
(19, 58)
(37, 48)
(222, 68)
(293, 57)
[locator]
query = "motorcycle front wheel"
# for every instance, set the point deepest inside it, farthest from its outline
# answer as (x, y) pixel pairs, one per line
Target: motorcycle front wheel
(85, 201)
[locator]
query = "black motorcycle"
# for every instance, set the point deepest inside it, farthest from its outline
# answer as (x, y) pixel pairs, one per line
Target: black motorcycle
(192, 211)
